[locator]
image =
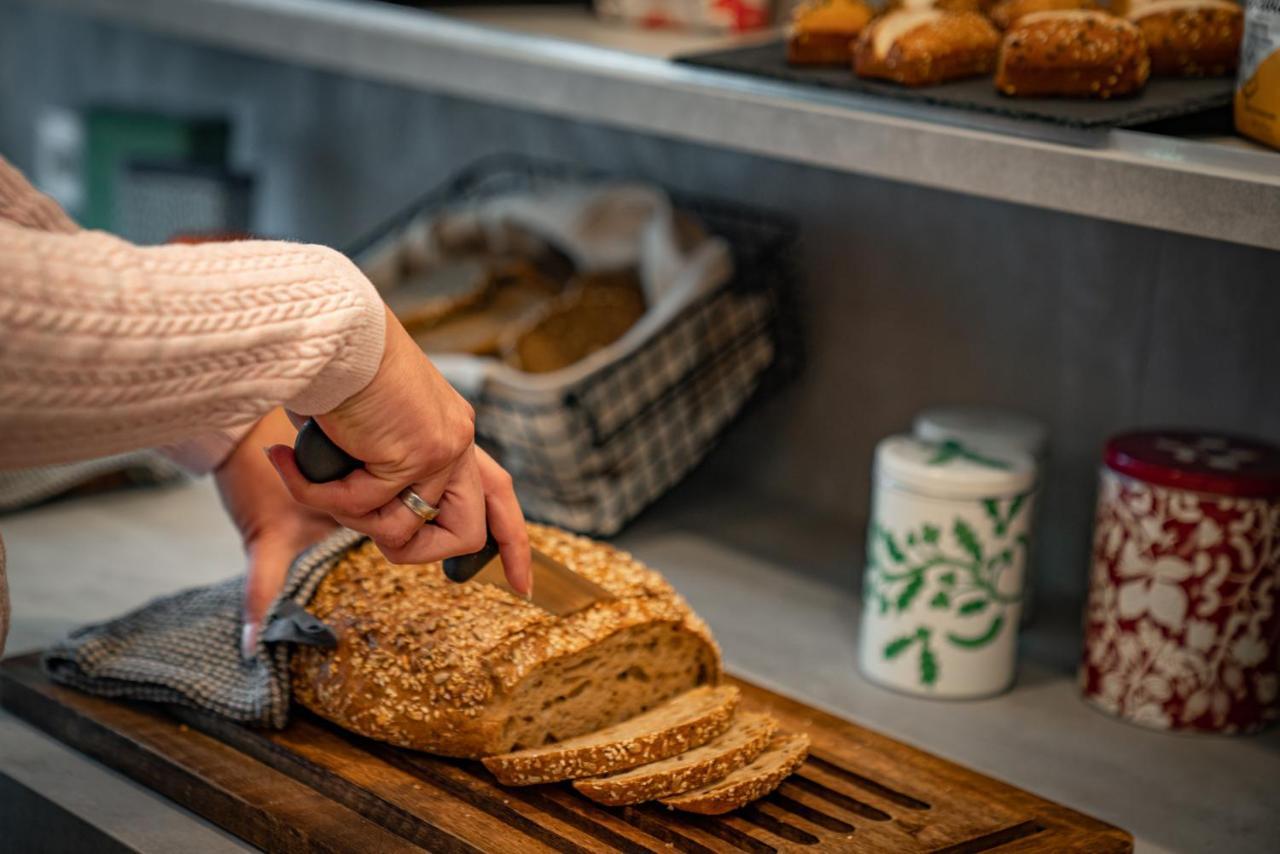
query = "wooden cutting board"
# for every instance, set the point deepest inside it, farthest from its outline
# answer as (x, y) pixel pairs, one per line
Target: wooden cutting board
(316, 787)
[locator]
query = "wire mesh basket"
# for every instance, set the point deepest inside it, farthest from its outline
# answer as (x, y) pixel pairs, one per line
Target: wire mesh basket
(594, 454)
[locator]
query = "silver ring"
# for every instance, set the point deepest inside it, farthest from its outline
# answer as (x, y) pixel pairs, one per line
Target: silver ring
(420, 508)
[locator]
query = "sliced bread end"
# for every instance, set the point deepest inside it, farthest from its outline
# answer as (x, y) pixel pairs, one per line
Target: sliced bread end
(744, 740)
(761, 776)
(687, 721)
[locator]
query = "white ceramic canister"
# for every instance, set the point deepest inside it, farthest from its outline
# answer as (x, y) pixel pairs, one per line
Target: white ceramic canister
(946, 557)
(986, 428)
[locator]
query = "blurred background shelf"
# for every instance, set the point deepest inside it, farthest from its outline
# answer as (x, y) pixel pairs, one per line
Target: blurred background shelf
(561, 61)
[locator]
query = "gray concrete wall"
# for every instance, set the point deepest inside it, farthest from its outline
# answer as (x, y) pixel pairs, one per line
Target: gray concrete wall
(911, 296)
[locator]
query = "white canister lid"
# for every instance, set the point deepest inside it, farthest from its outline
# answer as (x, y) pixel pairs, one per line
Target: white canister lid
(984, 428)
(952, 469)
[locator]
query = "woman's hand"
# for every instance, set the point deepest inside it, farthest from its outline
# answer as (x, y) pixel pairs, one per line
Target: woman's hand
(412, 429)
(274, 527)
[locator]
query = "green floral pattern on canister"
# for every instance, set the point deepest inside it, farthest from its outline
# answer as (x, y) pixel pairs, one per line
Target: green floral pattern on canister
(946, 552)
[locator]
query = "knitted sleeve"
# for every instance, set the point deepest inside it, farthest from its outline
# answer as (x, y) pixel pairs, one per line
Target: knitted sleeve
(106, 346)
(22, 205)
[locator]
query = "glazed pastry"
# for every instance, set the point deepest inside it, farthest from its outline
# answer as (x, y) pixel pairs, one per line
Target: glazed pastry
(926, 46)
(1190, 38)
(1079, 54)
(823, 31)
(1007, 12)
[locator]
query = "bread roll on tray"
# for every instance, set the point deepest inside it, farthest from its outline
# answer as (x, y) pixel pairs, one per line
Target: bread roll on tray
(926, 46)
(1078, 54)
(1190, 38)
(822, 32)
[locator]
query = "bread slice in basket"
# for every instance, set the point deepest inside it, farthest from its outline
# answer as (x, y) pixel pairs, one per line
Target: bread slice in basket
(742, 742)
(765, 773)
(689, 720)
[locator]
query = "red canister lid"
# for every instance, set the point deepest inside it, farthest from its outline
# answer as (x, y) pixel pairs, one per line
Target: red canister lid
(1197, 461)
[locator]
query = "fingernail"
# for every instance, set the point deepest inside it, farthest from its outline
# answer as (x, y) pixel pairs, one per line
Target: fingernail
(248, 641)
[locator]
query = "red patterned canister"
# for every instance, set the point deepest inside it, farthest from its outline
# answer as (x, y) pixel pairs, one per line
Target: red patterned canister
(1182, 629)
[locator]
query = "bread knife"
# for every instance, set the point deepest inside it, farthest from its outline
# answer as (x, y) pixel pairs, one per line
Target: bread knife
(556, 588)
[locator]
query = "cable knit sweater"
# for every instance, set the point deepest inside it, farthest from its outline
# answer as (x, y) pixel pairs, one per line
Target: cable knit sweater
(106, 346)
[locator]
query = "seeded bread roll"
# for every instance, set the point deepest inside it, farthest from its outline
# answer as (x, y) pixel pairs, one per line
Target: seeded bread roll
(470, 670)
(1074, 54)
(691, 719)
(742, 742)
(1007, 12)
(822, 32)
(1190, 38)
(784, 755)
(926, 46)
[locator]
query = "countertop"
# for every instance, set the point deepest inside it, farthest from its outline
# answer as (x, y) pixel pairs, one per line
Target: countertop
(560, 61)
(91, 558)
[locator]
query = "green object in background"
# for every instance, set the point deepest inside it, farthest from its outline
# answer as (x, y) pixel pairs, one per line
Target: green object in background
(114, 137)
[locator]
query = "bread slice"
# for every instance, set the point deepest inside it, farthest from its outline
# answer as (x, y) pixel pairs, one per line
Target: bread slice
(783, 755)
(742, 742)
(691, 719)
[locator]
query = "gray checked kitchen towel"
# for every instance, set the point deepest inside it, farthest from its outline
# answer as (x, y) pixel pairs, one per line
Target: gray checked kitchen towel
(185, 648)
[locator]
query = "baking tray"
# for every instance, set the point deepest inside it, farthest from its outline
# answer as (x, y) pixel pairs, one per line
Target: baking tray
(1163, 98)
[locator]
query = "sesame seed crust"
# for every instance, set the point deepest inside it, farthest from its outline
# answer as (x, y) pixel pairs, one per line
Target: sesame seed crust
(426, 663)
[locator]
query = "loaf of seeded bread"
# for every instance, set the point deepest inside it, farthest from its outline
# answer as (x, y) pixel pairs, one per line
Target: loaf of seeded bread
(470, 670)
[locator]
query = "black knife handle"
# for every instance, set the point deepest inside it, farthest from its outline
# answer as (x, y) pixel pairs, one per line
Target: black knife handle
(321, 461)
(463, 567)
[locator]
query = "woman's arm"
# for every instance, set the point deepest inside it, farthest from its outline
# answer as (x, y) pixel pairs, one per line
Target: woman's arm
(106, 346)
(22, 204)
